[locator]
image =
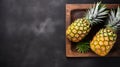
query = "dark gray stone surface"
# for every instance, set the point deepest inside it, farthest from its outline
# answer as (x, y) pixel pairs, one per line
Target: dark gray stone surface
(32, 34)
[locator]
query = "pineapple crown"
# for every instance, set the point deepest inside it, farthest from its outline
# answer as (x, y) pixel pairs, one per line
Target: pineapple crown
(114, 19)
(83, 47)
(97, 13)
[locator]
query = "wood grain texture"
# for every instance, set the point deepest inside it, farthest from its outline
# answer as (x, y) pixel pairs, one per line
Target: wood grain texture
(69, 52)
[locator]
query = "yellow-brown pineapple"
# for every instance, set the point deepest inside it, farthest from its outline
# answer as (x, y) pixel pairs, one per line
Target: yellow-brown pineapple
(81, 27)
(104, 40)
(78, 29)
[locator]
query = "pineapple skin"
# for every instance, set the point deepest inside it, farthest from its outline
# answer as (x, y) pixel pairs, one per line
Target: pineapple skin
(78, 30)
(103, 41)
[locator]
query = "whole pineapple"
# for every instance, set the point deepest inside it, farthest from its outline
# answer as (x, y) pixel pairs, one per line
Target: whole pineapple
(80, 27)
(104, 40)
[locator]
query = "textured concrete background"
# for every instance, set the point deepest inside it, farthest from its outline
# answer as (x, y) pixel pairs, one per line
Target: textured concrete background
(32, 34)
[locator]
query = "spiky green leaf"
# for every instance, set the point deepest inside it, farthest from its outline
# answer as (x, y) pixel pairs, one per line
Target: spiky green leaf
(83, 47)
(114, 19)
(97, 13)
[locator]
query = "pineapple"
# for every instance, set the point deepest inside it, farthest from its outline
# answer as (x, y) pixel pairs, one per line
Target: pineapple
(104, 40)
(81, 27)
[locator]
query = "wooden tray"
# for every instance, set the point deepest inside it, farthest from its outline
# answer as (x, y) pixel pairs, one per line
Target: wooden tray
(74, 11)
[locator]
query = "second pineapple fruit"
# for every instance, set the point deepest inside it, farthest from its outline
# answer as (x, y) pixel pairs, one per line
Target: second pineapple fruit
(104, 40)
